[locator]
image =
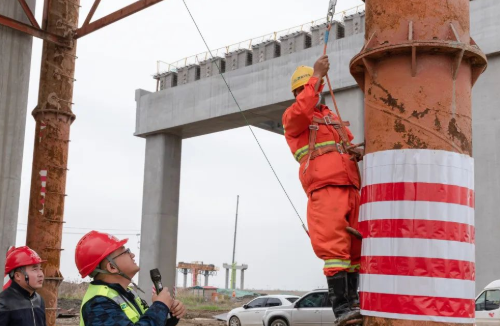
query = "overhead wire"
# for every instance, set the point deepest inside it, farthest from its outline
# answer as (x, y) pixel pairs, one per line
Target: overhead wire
(129, 231)
(246, 121)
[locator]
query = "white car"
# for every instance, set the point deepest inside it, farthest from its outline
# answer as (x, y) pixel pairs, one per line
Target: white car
(251, 314)
(313, 309)
(488, 305)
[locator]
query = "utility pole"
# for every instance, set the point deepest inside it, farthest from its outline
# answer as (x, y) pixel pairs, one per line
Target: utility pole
(54, 116)
(233, 268)
(417, 69)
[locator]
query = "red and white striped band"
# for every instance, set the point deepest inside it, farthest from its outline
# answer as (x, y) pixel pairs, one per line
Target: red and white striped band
(417, 220)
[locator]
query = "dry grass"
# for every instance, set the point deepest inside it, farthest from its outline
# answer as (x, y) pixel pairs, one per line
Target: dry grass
(193, 302)
(72, 290)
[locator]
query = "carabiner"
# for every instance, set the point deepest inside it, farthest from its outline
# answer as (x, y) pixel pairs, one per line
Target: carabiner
(331, 10)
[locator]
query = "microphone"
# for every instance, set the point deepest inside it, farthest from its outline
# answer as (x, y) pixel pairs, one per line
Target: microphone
(156, 278)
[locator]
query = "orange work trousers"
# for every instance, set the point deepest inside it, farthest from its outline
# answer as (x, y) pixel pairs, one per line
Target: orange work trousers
(329, 211)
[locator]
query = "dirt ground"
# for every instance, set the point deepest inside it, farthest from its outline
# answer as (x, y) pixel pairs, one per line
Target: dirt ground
(192, 318)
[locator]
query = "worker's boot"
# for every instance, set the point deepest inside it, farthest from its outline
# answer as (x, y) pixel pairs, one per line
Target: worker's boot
(352, 289)
(337, 293)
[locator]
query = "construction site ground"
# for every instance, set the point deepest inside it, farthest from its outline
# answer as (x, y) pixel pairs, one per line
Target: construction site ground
(199, 312)
(192, 318)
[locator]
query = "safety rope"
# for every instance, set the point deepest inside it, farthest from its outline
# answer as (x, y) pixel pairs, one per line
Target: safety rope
(246, 120)
(343, 132)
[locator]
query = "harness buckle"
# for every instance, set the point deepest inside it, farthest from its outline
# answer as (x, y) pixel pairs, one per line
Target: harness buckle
(339, 148)
(328, 120)
(313, 127)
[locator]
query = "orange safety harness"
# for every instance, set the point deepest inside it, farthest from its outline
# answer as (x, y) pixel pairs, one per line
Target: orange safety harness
(314, 151)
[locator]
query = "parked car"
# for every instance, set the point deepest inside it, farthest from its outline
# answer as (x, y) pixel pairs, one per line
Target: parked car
(251, 314)
(313, 309)
(488, 305)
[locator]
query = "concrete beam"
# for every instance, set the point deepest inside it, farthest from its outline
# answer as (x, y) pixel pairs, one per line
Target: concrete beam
(262, 90)
(228, 266)
(15, 64)
(160, 209)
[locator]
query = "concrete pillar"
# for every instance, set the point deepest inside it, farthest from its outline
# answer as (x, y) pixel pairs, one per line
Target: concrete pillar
(233, 278)
(485, 118)
(160, 208)
(242, 280)
(206, 278)
(227, 278)
(185, 280)
(15, 64)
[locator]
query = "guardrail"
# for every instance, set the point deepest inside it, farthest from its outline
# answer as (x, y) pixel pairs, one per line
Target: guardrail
(163, 67)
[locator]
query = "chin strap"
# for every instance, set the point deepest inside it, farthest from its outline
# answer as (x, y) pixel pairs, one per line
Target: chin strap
(120, 273)
(26, 279)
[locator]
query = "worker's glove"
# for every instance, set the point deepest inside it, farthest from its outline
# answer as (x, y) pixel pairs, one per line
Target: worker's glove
(356, 153)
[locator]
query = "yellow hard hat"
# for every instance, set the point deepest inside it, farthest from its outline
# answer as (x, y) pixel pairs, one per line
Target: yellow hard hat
(301, 76)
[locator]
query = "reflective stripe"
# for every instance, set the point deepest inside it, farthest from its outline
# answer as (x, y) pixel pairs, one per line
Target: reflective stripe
(126, 306)
(354, 268)
(337, 263)
(301, 152)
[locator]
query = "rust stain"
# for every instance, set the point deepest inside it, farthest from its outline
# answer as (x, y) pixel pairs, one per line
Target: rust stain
(414, 141)
(455, 133)
(390, 101)
(399, 126)
(397, 145)
(437, 123)
(419, 115)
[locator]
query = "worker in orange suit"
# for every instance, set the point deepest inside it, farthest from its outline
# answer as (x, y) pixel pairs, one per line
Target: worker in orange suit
(330, 178)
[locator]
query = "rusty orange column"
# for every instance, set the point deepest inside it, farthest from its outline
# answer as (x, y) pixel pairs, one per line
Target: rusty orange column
(53, 116)
(417, 69)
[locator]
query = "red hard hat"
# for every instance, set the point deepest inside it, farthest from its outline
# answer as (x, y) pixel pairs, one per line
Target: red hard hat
(21, 256)
(93, 248)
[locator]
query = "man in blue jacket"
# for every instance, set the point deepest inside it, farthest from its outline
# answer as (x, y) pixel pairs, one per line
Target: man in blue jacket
(109, 299)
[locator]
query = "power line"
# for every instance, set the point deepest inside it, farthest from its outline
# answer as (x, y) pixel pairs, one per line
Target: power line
(246, 120)
(81, 233)
(84, 228)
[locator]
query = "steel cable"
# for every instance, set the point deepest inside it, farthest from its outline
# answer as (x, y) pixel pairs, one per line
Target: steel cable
(246, 120)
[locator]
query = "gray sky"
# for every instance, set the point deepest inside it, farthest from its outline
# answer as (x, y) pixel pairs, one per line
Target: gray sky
(106, 161)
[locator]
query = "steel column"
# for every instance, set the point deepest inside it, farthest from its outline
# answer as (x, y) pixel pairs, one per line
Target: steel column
(53, 115)
(417, 69)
